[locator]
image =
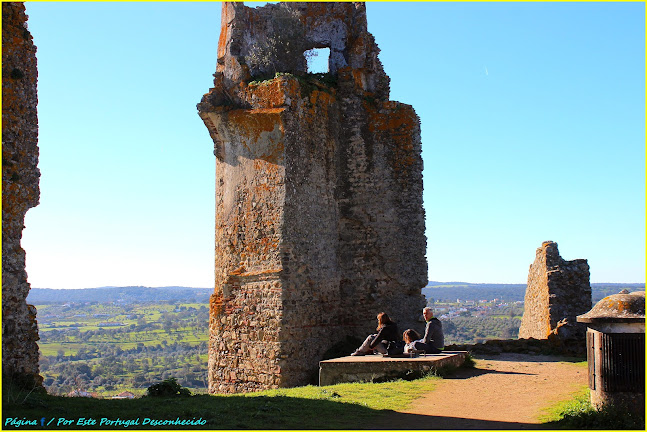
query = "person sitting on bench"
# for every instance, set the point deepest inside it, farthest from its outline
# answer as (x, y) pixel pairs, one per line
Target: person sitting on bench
(433, 341)
(387, 331)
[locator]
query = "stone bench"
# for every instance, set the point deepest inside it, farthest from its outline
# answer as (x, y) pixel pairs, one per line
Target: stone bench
(372, 368)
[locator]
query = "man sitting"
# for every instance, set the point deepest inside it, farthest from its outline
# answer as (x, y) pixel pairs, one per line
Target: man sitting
(433, 341)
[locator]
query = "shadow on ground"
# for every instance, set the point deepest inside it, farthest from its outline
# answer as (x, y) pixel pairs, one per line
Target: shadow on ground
(525, 357)
(474, 372)
(418, 421)
(232, 412)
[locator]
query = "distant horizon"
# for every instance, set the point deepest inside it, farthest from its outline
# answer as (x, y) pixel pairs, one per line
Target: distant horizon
(429, 282)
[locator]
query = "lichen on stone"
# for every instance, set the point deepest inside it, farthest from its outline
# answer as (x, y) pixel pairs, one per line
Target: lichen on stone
(319, 217)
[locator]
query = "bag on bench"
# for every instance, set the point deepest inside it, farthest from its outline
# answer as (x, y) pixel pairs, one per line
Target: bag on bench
(395, 348)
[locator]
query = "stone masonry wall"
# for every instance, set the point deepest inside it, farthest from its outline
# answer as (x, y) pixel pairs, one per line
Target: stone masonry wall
(557, 292)
(319, 218)
(20, 191)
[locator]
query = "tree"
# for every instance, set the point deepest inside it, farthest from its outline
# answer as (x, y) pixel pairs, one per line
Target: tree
(81, 354)
(168, 325)
(510, 333)
(168, 387)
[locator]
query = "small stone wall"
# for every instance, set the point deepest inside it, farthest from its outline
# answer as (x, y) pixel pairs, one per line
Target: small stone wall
(20, 191)
(551, 346)
(557, 292)
(376, 368)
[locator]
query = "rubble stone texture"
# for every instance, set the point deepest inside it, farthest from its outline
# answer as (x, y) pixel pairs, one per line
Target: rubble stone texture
(319, 217)
(556, 293)
(20, 191)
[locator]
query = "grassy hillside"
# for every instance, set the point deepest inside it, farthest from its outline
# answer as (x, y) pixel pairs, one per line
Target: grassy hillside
(111, 347)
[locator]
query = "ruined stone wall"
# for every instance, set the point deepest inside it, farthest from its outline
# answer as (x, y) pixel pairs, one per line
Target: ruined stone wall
(20, 192)
(556, 293)
(319, 219)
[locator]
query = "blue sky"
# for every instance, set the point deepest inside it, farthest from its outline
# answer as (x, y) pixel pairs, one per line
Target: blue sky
(533, 129)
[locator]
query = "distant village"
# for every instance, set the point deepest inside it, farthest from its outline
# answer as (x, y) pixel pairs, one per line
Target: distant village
(462, 308)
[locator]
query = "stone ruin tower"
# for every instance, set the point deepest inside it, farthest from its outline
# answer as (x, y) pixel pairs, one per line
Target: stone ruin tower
(20, 191)
(557, 292)
(319, 217)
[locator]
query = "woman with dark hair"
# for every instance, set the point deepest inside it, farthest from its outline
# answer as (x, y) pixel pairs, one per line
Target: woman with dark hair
(387, 331)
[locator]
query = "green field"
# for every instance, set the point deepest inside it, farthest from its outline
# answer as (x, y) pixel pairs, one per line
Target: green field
(108, 348)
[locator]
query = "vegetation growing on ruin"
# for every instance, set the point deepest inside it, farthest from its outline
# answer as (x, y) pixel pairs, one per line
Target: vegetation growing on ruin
(308, 81)
(317, 81)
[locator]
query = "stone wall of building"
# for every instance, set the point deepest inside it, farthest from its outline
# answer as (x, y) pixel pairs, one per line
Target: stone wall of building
(557, 292)
(319, 218)
(20, 191)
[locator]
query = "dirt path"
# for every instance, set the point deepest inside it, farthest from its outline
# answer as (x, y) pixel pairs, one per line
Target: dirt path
(507, 391)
